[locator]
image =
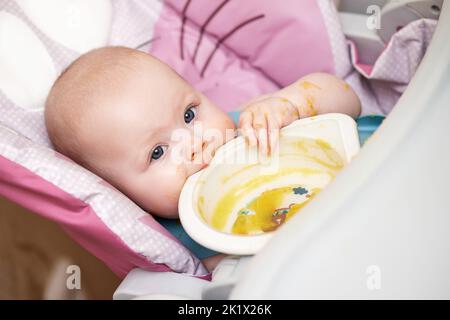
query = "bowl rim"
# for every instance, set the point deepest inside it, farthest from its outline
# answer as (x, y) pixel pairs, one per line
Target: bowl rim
(229, 243)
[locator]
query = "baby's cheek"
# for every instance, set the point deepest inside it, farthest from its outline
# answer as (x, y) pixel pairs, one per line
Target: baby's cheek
(220, 130)
(166, 189)
(172, 188)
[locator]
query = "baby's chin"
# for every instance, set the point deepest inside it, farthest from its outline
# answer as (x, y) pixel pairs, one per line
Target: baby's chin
(167, 208)
(169, 213)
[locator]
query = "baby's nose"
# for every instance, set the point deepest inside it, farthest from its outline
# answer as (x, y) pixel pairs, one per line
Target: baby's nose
(197, 149)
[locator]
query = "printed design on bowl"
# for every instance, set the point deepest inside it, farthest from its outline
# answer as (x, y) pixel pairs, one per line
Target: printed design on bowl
(271, 209)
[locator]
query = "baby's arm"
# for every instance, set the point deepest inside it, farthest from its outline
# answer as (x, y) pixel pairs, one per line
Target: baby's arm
(320, 93)
(211, 262)
(314, 94)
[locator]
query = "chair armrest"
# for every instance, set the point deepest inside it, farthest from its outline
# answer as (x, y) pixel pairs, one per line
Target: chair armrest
(159, 285)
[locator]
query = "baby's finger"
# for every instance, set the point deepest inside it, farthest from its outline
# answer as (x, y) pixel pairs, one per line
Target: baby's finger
(260, 125)
(245, 124)
(273, 132)
(246, 117)
(249, 135)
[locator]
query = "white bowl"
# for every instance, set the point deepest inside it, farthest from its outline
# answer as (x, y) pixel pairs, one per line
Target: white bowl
(236, 165)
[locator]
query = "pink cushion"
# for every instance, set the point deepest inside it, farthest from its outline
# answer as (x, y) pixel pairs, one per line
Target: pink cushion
(278, 44)
(274, 45)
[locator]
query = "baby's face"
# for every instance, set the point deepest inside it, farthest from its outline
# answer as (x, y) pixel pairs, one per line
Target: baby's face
(154, 132)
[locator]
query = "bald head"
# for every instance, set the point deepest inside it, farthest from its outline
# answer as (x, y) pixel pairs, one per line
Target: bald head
(131, 119)
(83, 90)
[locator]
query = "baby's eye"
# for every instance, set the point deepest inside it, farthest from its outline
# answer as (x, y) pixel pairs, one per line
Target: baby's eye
(158, 152)
(189, 114)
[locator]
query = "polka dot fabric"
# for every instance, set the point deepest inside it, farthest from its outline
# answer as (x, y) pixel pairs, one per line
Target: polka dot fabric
(24, 142)
(395, 67)
(380, 89)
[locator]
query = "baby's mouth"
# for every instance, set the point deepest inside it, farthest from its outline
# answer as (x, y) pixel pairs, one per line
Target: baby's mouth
(208, 155)
(208, 152)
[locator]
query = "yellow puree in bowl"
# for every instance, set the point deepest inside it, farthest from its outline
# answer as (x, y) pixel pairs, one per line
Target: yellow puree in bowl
(275, 206)
(269, 210)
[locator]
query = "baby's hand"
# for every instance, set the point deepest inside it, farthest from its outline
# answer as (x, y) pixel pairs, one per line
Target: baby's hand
(261, 121)
(316, 93)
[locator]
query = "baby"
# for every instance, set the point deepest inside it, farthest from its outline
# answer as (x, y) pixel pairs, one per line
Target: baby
(117, 110)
